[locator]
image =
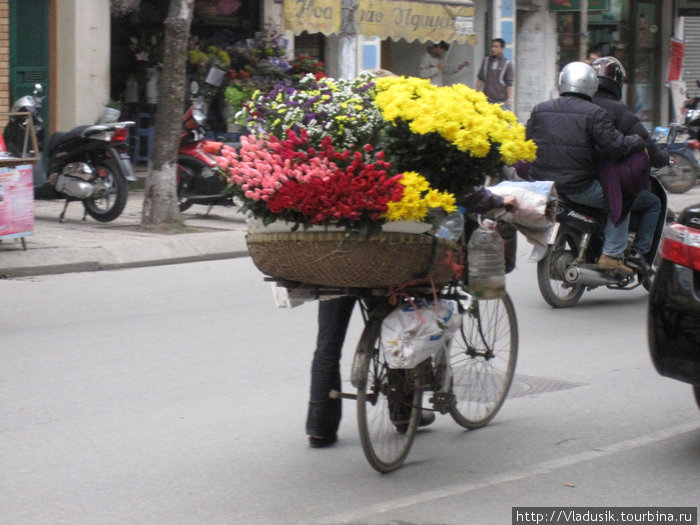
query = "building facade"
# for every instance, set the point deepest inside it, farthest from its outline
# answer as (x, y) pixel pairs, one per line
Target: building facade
(87, 48)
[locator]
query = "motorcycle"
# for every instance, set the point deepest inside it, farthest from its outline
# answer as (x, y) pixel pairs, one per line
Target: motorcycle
(198, 179)
(682, 174)
(89, 163)
(684, 162)
(568, 267)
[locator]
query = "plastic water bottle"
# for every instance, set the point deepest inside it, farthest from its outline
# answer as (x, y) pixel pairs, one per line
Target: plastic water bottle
(487, 272)
(452, 226)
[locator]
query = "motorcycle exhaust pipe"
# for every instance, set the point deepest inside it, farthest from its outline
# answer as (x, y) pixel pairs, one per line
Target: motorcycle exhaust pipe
(586, 277)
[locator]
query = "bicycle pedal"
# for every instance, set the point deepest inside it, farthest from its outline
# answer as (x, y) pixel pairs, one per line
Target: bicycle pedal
(334, 394)
(442, 401)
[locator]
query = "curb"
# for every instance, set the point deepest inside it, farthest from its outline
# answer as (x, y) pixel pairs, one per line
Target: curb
(124, 253)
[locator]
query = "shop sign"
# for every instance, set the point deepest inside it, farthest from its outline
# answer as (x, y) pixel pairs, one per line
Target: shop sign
(16, 201)
(423, 21)
(575, 5)
(314, 16)
(689, 8)
(434, 20)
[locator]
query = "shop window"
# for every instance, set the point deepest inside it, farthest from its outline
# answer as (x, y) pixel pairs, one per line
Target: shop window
(137, 39)
(630, 32)
(310, 44)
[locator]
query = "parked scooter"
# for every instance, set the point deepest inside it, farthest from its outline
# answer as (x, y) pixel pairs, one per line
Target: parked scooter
(198, 180)
(568, 268)
(88, 163)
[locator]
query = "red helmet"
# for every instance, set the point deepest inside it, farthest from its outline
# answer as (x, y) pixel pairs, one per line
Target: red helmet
(609, 67)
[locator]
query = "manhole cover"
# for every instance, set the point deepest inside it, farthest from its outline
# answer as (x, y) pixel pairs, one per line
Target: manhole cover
(531, 385)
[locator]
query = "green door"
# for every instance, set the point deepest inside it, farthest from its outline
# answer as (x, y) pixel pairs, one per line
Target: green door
(29, 49)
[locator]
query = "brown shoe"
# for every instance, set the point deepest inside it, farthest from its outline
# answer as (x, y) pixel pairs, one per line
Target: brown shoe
(611, 263)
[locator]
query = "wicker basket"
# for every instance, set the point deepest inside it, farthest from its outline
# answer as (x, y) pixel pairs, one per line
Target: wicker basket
(345, 259)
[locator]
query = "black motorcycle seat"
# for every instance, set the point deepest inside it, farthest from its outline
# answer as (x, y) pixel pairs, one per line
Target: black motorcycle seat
(582, 208)
(64, 136)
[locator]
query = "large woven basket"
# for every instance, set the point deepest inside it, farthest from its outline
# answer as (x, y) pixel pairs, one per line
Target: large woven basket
(343, 259)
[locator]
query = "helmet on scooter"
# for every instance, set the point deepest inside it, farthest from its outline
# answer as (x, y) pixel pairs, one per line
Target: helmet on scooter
(579, 78)
(611, 74)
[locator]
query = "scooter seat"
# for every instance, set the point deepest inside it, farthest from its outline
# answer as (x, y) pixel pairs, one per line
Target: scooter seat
(582, 208)
(65, 136)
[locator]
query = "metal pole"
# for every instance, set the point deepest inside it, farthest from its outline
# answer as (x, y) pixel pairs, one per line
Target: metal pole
(583, 32)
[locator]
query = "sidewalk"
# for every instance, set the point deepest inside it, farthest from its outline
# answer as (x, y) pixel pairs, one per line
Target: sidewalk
(76, 245)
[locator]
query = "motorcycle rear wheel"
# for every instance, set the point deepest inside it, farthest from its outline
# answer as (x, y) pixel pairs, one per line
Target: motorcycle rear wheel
(183, 184)
(550, 272)
(109, 204)
(680, 178)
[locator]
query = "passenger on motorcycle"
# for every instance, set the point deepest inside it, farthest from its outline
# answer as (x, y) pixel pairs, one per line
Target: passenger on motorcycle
(611, 74)
(570, 132)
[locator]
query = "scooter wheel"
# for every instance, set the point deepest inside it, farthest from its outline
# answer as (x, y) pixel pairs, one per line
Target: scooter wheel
(109, 203)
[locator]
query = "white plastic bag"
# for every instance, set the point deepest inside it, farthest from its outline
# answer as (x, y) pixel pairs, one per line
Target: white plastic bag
(411, 335)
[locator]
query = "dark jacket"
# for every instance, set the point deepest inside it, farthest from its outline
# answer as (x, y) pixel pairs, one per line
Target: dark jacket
(607, 97)
(567, 131)
(622, 181)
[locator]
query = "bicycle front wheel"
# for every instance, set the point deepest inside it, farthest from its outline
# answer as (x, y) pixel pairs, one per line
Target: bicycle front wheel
(388, 403)
(483, 356)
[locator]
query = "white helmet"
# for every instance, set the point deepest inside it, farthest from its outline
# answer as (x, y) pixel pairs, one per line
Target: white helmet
(578, 77)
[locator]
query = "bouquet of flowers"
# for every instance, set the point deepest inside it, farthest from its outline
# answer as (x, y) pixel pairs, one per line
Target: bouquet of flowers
(257, 64)
(364, 152)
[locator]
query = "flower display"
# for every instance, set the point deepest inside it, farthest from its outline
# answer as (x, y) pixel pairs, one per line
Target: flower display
(451, 135)
(343, 110)
(258, 64)
(360, 153)
(292, 181)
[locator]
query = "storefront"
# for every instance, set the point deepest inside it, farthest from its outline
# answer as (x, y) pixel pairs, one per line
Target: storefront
(630, 30)
(391, 34)
(218, 28)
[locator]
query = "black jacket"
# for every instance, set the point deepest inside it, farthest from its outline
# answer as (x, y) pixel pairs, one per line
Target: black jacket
(568, 132)
(626, 121)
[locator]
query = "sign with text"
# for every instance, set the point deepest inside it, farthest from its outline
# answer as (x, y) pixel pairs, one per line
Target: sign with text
(313, 16)
(426, 20)
(575, 5)
(16, 201)
(675, 62)
(421, 21)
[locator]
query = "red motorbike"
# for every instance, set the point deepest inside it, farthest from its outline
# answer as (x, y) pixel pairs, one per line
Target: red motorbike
(198, 179)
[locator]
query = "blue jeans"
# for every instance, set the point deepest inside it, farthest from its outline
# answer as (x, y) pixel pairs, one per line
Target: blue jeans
(323, 418)
(615, 236)
(648, 206)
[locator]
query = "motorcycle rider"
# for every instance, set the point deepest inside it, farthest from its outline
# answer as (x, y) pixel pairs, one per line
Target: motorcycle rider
(570, 131)
(611, 75)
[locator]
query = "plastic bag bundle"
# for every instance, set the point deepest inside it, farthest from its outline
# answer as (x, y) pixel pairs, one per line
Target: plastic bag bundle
(410, 335)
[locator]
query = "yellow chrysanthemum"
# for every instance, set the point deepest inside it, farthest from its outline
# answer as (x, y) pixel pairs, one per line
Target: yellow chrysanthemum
(417, 198)
(461, 115)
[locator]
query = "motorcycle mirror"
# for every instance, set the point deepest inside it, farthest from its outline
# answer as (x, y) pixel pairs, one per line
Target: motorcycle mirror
(38, 89)
(194, 87)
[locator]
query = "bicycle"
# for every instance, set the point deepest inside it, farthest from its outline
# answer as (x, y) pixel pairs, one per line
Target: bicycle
(469, 378)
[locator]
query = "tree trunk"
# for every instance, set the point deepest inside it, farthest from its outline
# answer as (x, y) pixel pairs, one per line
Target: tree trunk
(160, 204)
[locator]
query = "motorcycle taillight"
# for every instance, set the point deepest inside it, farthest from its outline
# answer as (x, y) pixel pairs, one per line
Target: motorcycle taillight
(120, 135)
(681, 245)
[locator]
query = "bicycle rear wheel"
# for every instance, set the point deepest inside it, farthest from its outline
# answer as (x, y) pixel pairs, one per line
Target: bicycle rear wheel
(388, 403)
(483, 356)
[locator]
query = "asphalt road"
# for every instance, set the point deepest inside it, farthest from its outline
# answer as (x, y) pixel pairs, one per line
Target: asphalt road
(177, 395)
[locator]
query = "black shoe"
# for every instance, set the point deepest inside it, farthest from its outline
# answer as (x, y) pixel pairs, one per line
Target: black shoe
(427, 417)
(638, 261)
(321, 442)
